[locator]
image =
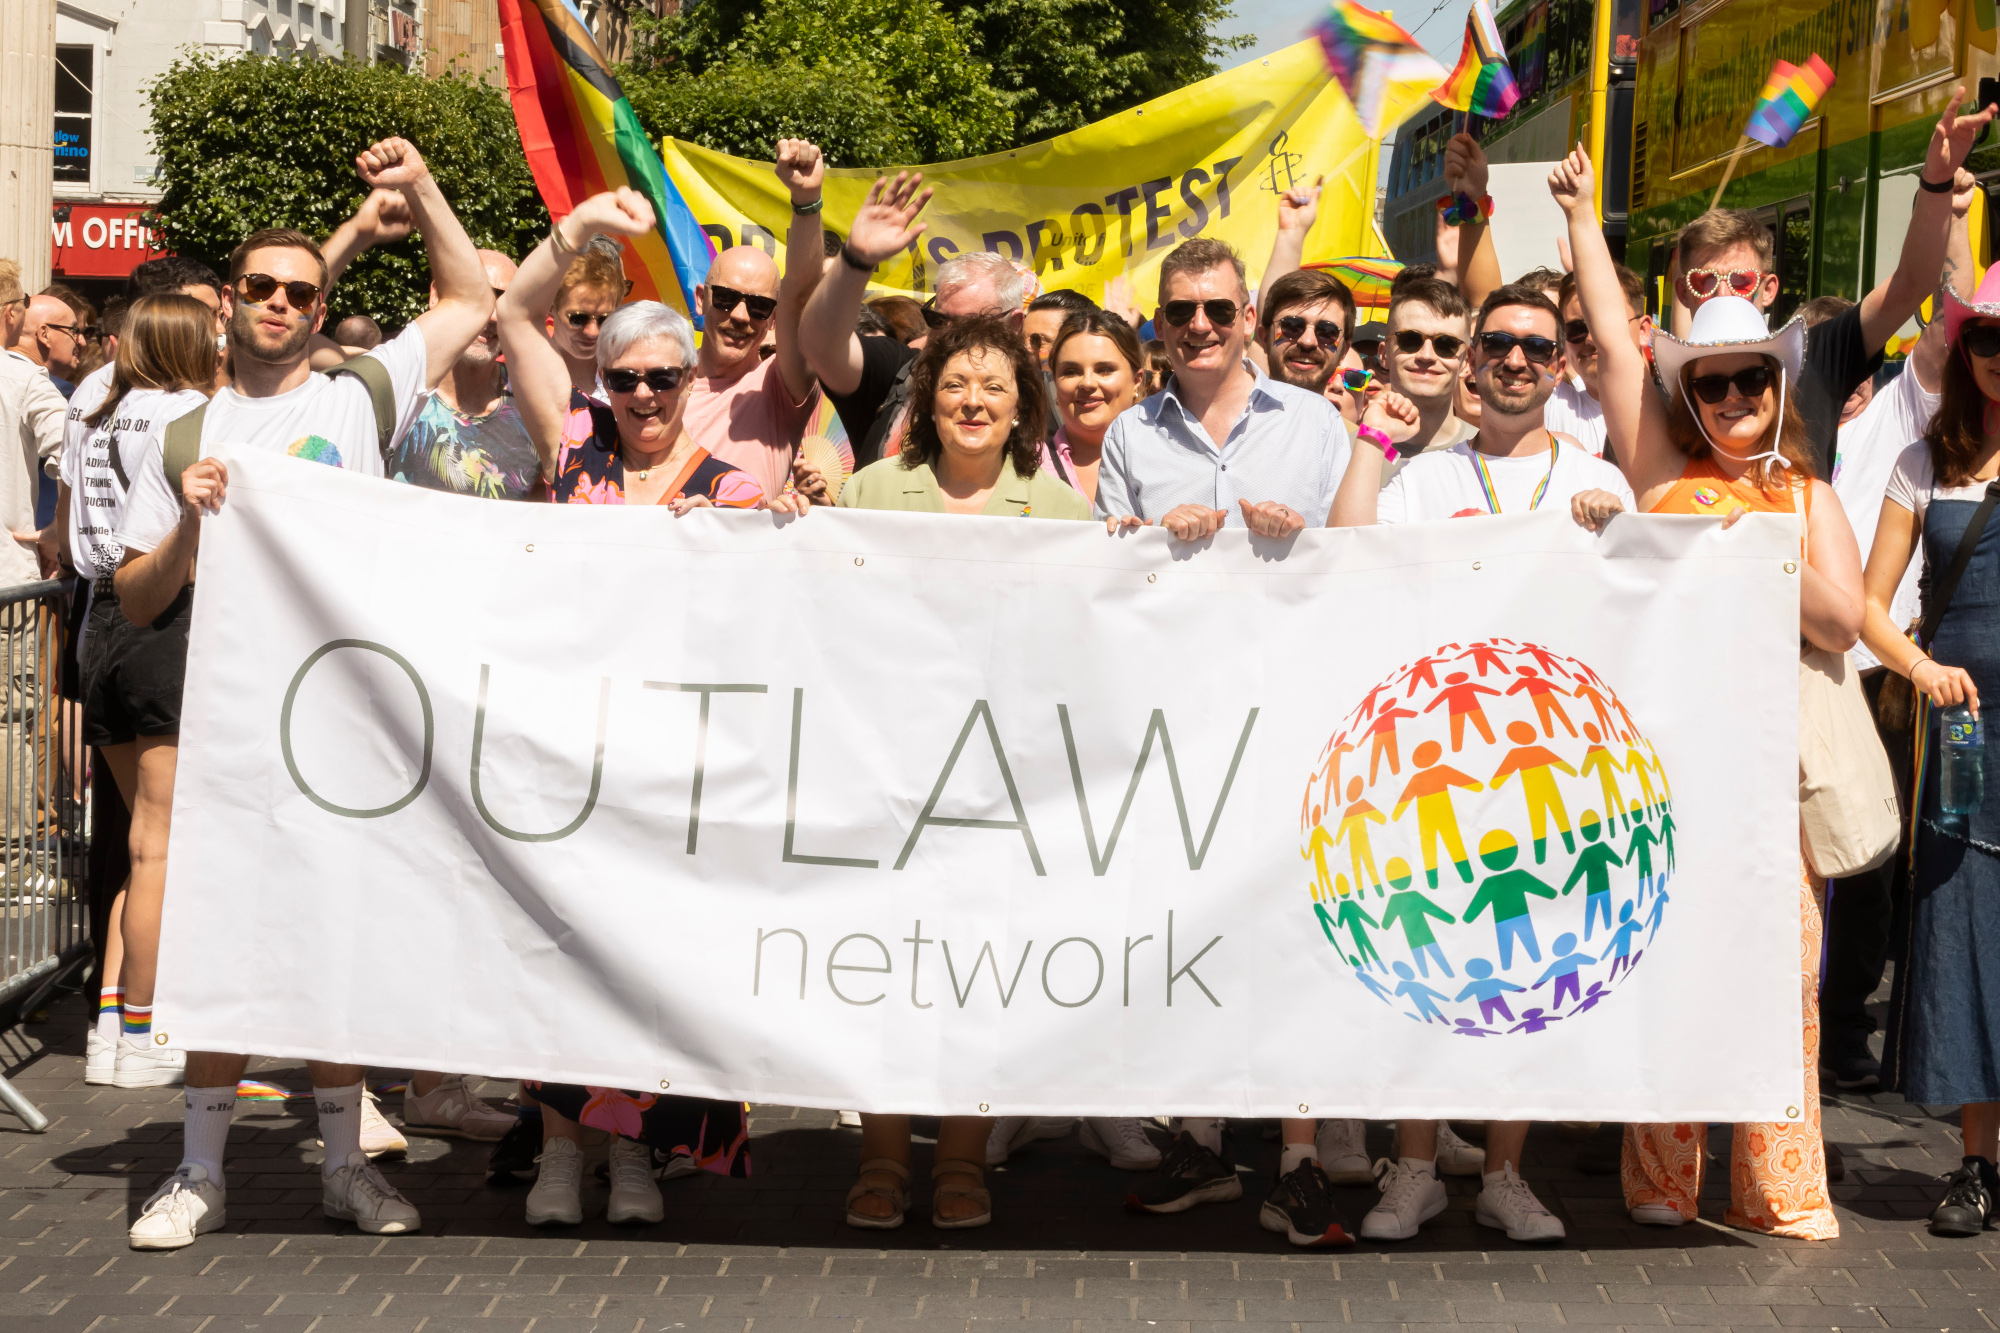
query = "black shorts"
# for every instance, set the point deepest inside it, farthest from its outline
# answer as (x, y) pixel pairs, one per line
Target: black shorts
(132, 674)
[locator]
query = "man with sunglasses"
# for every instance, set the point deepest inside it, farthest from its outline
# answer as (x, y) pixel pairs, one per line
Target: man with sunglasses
(275, 402)
(1425, 355)
(1574, 410)
(1728, 252)
(744, 409)
(1307, 316)
(49, 337)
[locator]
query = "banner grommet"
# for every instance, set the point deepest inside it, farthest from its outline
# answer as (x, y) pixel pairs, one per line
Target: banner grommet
(1475, 564)
(1152, 578)
(161, 1039)
(665, 1084)
(1791, 567)
(859, 561)
(531, 548)
(984, 1108)
(1303, 1108)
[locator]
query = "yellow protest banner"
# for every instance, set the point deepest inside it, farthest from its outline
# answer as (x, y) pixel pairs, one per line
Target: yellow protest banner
(1108, 200)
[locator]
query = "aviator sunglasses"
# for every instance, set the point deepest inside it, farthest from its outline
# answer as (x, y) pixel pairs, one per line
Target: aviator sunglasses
(1750, 382)
(1220, 313)
(259, 287)
(660, 379)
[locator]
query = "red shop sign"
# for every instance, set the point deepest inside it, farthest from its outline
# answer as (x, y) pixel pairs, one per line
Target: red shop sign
(100, 240)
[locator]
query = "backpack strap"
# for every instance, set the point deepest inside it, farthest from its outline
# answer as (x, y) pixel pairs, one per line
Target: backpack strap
(371, 372)
(180, 446)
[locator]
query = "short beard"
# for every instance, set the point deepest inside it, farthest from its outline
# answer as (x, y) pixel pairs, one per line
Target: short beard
(1492, 400)
(1282, 372)
(243, 338)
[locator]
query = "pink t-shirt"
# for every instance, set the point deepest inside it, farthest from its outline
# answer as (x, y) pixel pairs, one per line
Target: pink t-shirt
(750, 421)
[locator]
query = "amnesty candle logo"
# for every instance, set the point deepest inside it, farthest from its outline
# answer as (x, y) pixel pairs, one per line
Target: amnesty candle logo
(1490, 838)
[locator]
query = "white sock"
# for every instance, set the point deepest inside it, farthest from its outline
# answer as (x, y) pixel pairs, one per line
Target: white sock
(109, 1018)
(1208, 1133)
(205, 1128)
(339, 1124)
(1418, 1164)
(1296, 1156)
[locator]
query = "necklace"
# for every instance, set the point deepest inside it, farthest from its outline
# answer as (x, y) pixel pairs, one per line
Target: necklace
(1492, 496)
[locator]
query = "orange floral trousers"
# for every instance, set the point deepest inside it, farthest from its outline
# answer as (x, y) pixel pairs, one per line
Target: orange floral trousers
(1777, 1173)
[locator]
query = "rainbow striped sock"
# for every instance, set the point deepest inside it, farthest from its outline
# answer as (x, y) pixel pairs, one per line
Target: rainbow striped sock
(138, 1020)
(110, 1001)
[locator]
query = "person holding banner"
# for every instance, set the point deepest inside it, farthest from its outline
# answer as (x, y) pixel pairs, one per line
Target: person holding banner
(1097, 363)
(1726, 437)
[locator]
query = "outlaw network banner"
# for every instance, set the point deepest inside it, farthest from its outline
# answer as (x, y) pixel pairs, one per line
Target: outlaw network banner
(920, 813)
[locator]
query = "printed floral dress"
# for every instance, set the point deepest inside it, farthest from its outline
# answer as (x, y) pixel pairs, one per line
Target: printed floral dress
(590, 472)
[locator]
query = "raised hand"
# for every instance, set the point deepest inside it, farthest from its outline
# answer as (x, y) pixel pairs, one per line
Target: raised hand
(1298, 208)
(1952, 139)
(392, 164)
(887, 221)
(1573, 182)
(620, 212)
(800, 168)
(384, 217)
(1465, 166)
(1392, 414)
(1963, 186)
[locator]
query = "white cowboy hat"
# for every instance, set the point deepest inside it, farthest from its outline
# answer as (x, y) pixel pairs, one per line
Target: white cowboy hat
(1728, 324)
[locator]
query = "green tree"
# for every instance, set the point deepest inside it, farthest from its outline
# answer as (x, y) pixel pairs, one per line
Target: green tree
(260, 141)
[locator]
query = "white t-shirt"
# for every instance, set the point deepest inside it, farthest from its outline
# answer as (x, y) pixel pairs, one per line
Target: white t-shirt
(328, 419)
(1445, 484)
(90, 391)
(96, 488)
(1573, 412)
(1866, 455)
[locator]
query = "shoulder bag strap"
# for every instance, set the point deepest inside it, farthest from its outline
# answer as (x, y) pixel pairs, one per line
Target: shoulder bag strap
(1960, 558)
(372, 373)
(180, 446)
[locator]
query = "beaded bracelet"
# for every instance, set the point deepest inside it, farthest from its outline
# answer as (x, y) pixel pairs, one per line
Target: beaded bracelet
(1377, 437)
(1462, 209)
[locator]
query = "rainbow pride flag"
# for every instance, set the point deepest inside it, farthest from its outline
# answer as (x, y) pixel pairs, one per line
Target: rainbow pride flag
(582, 138)
(1482, 83)
(1533, 49)
(1374, 61)
(1369, 279)
(1787, 102)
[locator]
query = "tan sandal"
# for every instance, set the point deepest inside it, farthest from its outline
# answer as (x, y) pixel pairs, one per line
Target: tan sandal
(897, 1194)
(977, 1193)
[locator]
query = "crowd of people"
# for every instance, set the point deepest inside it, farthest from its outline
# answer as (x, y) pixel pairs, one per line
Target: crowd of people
(534, 378)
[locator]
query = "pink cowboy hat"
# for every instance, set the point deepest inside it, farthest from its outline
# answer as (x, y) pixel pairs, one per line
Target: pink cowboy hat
(1985, 304)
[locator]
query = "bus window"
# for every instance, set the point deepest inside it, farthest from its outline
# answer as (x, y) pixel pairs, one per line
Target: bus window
(1657, 295)
(1793, 260)
(1625, 32)
(1659, 11)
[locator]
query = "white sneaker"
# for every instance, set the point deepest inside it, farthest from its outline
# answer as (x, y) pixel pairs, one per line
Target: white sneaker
(557, 1198)
(1658, 1215)
(634, 1195)
(188, 1204)
(357, 1193)
(144, 1065)
(1411, 1196)
(450, 1109)
(378, 1136)
(1121, 1141)
(100, 1057)
(1342, 1147)
(1455, 1156)
(1011, 1133)
(1508, 1203)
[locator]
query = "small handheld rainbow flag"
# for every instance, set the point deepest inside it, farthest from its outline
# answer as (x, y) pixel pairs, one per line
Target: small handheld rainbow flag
(1788, 99)
(1368, 278)
(1482, 83)
(583, 138)
(1375, 62)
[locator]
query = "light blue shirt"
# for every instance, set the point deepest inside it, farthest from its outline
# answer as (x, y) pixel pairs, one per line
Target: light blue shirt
(1290, 445)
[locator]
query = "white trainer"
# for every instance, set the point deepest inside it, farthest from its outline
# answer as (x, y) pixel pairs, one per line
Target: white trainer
(357, 1193)
(1455, 1156)
(378, 1136)
(188, 1204)
(1011, 1133)
(1411, 1196)
(557, 1198)
(1120, 1140)
(451, 1110)
(100, 1058)
(1342, 1146)
(1658, 1215)
(1507, 1202)
(144, 1065)
(634, 1195)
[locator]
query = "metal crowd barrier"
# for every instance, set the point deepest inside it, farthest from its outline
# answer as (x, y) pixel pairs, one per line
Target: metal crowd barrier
(44, 899)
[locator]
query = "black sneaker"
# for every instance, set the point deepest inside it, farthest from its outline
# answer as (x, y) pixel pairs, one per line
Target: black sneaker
(1189, 1174)
(1967, 1208)
(1301, 1206)
(1851, 1067)
(514, 1155)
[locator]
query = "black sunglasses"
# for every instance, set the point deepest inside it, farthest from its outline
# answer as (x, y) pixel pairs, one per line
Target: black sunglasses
(1537, 349)
(1220, 313)
(259, 287)
(1409, 342)
(1750, 382)
(580, 319)
(1357, 378)
(660, 379)
(726, 299)
(1293, 328)
(1982, 340)
(936, 318)
(1576, 331)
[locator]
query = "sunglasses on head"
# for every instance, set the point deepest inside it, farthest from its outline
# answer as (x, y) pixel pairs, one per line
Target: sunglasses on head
(1221, 313)
(660, 379)
(726, 299)
(1409, 342)
(583, 319)
(1291, 328)
(1356, 378)
(1707, 282)
(1536, 348)
(1981, 340)
(259, 287)
(1750, 382)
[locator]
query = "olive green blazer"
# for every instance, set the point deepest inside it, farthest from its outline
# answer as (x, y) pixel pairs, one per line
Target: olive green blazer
(887, 484)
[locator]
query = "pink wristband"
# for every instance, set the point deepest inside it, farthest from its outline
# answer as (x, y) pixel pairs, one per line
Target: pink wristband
(1374, 436)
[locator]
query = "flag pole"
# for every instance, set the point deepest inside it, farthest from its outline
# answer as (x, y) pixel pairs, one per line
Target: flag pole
(1730, 170)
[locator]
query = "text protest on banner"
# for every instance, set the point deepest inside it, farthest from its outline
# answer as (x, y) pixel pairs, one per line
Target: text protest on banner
(1106, 201)
(941, 814)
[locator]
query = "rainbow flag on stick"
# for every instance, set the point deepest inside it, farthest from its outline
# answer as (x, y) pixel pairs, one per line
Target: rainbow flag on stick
(582, 138)
(1378, 65)
(1787, 102)
(1482, 83)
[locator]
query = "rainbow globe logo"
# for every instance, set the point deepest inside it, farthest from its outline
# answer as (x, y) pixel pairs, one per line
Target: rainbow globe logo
(1490, 839)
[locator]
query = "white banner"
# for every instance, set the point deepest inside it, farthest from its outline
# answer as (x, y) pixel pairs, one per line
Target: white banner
(949, 815)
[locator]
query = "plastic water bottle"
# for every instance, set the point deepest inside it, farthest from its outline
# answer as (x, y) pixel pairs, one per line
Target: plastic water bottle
(1961, 765)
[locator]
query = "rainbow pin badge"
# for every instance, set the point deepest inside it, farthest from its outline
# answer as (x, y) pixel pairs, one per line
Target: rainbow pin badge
(1706, 495)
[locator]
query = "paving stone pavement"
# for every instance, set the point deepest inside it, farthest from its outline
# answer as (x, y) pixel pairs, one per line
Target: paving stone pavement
(771, 1255)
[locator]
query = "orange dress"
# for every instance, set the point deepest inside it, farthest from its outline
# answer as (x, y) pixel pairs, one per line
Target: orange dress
(1777, 1172)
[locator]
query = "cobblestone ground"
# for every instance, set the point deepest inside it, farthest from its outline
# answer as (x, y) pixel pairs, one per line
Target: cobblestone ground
(771, 1253)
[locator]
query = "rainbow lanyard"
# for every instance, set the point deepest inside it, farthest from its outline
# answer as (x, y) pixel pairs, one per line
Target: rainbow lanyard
(1492, 495)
